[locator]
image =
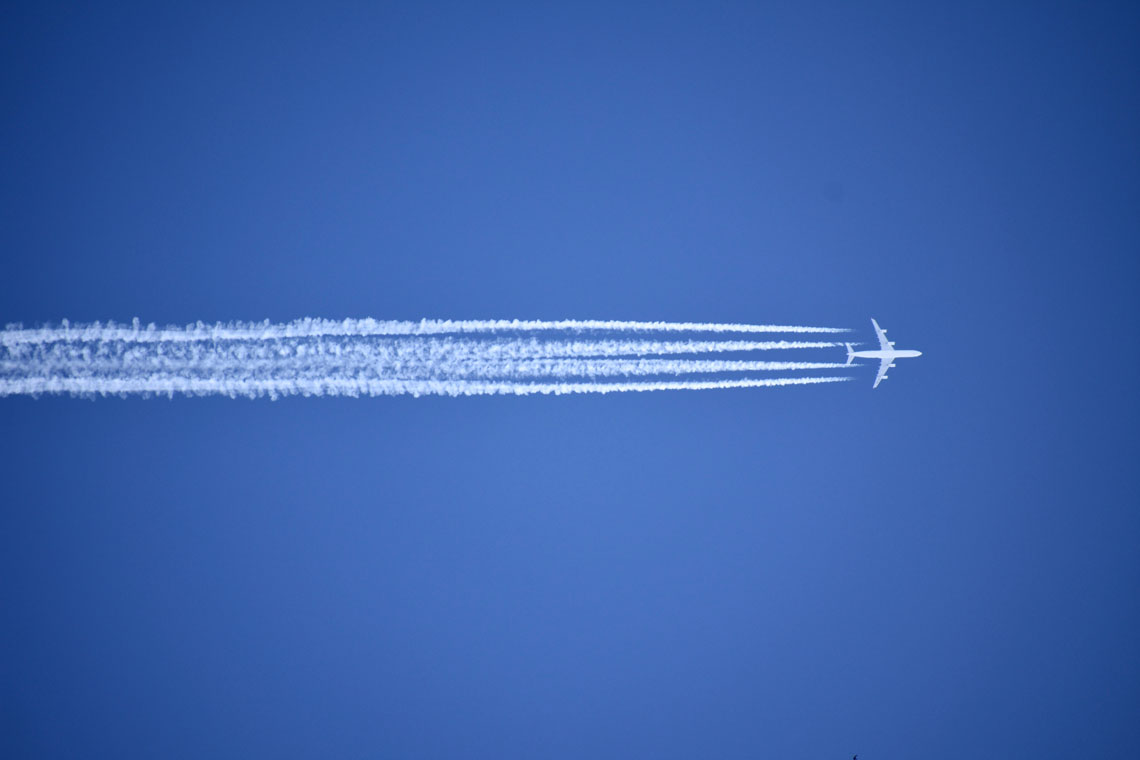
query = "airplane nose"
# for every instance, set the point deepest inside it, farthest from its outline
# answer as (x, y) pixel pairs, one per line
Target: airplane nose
(918, 353)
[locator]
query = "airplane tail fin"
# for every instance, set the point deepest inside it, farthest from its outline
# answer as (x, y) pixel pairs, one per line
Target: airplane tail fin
(850, 353)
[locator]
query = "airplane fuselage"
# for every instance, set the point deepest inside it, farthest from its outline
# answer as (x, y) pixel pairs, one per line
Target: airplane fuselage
(881, 355)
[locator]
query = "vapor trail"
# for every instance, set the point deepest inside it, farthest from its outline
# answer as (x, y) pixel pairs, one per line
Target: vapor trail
(309, 357)
(381, 368)
(308, 328)
(160, 385)
(563, 368)
(62, 355)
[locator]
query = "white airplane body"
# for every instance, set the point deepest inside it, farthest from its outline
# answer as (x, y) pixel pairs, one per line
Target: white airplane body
(886, 354)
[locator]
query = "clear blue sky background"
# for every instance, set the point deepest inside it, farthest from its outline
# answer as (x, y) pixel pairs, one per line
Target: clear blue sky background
(946, 567)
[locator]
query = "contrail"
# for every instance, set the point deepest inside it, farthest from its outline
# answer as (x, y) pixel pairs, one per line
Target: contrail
(309, 357)
(563, 368)
(75, 352)
(309, 328)
(162, 385)
(514, 368)
(533, 348)
(526, 368)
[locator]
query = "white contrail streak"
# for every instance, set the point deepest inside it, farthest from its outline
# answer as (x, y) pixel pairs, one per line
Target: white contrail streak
(365, 350)
(638, 367)
(310, 328)
(161, 385)
(309, 357)
(526, 368)
(523, 349)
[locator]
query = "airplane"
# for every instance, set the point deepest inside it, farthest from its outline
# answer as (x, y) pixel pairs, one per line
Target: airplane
(886, 354)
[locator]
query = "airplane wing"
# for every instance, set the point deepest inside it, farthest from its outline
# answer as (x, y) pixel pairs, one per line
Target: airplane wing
(883, 367)
(884, 344)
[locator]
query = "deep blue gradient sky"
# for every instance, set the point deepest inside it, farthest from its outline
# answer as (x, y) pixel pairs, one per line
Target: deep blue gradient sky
(946, 567)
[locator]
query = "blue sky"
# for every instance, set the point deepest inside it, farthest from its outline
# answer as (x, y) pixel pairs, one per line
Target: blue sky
(944, 567)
